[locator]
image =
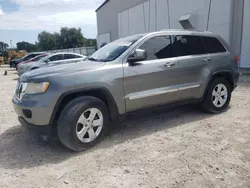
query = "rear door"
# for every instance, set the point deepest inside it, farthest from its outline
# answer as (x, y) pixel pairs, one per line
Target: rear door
(218, 54)
(192, 60)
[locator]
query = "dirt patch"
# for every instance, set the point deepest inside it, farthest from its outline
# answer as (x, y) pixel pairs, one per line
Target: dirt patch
(182, 147)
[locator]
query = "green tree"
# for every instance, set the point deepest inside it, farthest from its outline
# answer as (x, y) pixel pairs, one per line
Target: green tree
(29, 47)
(71, 37)
(58, 41)
(47, 41)
(90, 42)
(67, 38)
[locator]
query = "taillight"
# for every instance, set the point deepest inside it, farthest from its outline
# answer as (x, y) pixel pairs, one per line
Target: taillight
(236, 58)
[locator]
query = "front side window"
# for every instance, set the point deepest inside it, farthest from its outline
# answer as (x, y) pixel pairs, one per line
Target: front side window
(213, 45)
(187, 45)
(159, 47)
(114, 50)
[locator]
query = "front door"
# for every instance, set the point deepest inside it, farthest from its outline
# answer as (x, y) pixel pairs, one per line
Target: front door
(153, 81)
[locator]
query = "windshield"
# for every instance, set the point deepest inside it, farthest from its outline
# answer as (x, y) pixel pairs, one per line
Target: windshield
(39, 57)
(26, 57)
(113, 50)
(43, 59)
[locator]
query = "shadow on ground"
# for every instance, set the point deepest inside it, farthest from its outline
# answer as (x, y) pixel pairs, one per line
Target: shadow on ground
(22, 149)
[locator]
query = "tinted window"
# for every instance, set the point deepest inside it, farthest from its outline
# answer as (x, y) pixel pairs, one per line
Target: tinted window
(187, 45)
(71, 56)
(34, 55)
(158, 47)
(213, 45)
(28, 57)
(39, 57)
(56, 58)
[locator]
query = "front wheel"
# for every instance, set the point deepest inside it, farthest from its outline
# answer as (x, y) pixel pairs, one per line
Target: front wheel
(218, 96)
(83, 123)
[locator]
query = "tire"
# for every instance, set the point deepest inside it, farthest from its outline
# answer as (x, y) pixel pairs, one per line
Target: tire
(67, 125)
(209, 99)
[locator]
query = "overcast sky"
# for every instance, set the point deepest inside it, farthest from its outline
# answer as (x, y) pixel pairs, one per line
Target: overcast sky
(22, 20)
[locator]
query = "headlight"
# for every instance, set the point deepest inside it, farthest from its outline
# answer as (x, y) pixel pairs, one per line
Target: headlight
(34, 88)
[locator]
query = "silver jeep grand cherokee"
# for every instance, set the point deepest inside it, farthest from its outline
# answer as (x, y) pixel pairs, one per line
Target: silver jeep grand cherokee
(80, 100)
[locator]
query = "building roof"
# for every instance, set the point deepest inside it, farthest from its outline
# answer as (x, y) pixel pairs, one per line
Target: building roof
(104, 3)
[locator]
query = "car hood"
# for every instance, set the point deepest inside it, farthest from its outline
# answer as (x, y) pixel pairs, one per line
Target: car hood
(64, 69)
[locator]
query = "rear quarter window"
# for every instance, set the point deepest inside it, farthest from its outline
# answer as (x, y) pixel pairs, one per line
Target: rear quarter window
(71, 56)
(213, 45)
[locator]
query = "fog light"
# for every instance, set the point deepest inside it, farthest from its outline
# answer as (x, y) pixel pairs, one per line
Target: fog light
(27, 113)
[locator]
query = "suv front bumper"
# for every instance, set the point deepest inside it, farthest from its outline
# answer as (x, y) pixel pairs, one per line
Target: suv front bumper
(33, 112)
(42, 130)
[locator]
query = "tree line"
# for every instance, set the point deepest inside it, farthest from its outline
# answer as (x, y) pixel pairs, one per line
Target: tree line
(66, 38)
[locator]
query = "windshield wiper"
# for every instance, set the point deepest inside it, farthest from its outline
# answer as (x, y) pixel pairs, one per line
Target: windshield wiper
(92, 59)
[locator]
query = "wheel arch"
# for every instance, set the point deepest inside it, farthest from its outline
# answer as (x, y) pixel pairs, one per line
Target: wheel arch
(33, 68)
(101, 93)
(222, 74)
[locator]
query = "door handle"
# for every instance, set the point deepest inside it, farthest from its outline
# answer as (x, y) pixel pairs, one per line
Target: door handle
(169, 64)
(207, 60)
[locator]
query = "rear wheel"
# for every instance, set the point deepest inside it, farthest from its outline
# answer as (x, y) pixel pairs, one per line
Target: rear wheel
(218, 96)
(83, 123)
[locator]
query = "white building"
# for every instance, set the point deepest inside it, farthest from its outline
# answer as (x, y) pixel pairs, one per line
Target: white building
(229, 18)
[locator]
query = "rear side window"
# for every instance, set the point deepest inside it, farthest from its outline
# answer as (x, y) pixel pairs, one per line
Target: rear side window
(213, 45)
(159, 47)
(187, 45)
(71, 56)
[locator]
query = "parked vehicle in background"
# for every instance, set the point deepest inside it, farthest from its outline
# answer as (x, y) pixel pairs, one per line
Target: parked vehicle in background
(15, 62)
(52, 60)
(80, 100)
(37, 58)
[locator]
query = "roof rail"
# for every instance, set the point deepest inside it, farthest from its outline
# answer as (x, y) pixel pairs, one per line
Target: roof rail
(186, 30)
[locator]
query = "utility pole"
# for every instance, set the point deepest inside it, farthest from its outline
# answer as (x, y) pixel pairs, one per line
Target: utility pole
(10, 43)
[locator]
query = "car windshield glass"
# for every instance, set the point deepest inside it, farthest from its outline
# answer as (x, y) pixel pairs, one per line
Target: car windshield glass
(44, 58)
(39, 57)
(113, 50)
(26, 57)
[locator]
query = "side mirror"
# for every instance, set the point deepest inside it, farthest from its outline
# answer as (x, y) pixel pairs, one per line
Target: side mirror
(138, 55)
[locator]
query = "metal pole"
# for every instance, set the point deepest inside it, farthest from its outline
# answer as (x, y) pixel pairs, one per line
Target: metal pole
(208, 16)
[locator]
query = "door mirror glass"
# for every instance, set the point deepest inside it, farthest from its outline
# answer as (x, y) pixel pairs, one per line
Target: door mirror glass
(138, 55)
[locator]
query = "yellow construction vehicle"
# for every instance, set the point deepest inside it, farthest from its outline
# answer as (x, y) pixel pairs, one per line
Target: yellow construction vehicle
(16, 54)
(6, 55)
(3, 52)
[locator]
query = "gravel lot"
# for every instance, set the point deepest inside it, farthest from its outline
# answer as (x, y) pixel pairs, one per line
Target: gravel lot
(182, 147)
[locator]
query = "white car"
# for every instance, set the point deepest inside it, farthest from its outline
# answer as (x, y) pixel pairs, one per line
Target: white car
(51, 60)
